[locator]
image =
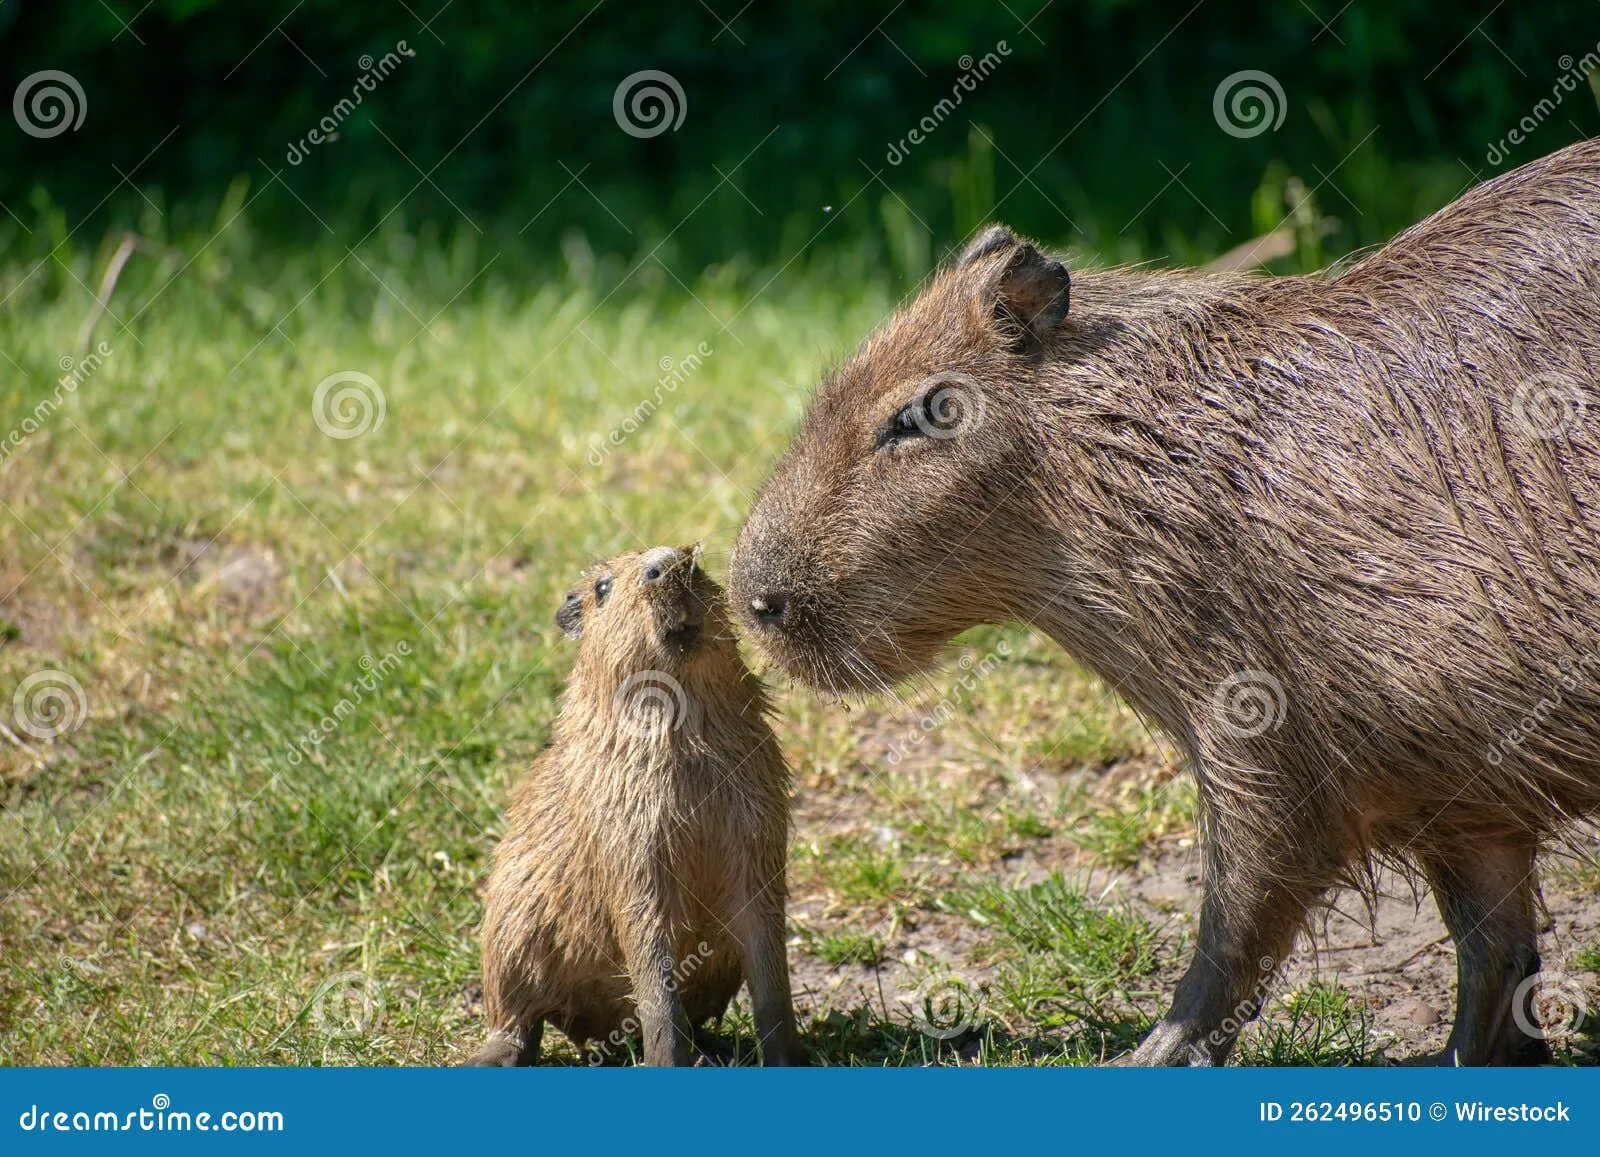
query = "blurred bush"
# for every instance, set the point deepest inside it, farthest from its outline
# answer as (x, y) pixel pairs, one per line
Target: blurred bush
(1096, 127)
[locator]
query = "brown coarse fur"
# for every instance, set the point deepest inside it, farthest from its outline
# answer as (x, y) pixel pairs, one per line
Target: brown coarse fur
(1337, 535)
(641, 877)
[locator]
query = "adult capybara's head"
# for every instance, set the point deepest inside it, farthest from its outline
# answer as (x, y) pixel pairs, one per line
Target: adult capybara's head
(895, 521)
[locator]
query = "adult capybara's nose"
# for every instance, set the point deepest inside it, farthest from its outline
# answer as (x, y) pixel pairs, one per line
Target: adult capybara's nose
(768, 607)
(759, 584)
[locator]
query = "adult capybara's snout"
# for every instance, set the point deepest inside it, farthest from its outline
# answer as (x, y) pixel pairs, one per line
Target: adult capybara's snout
(761, 581)
(781, 596)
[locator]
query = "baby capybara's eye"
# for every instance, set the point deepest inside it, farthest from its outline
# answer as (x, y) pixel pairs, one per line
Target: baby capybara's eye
(602, 591)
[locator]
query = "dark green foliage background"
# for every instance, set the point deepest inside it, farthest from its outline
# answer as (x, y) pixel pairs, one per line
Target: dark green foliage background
(1100, 103)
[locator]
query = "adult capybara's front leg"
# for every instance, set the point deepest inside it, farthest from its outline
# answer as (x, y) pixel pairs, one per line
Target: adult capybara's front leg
(1485, 891)
(1261, 877)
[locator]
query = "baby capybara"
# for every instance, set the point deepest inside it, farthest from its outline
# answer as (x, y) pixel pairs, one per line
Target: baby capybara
(642, 872)
(1338, 535)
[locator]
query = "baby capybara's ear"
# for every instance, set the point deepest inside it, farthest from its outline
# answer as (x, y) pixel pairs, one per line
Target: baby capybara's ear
(1030, 292)
(570, 617)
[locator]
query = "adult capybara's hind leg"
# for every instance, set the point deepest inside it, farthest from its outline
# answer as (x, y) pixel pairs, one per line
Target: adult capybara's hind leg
(507, 1049)
(1486, 893)
(1260, 881)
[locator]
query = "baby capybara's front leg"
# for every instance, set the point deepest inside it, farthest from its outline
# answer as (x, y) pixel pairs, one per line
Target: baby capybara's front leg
(1260, 880)
(760, 929)
(509, 1049)
(651, 967)
(513, 996)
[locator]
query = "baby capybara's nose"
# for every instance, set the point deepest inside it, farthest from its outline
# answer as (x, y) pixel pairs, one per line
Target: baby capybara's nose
(769, 608)
(658, 563)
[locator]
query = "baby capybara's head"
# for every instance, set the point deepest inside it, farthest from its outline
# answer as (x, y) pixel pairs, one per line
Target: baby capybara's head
(895, 519)
(658, 662)
(645, 610)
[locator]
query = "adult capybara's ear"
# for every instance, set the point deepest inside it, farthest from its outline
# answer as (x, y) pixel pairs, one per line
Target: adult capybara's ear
(994, 239)
(1028, 292)
(570, 617)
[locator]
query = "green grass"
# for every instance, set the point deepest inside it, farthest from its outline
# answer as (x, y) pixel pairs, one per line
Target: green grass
(1061, 952)
(312, 667)
(1320, 1024)
(857, 869)
(846, 948)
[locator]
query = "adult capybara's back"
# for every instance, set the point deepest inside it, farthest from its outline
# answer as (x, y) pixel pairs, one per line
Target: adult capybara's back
(1339, 536)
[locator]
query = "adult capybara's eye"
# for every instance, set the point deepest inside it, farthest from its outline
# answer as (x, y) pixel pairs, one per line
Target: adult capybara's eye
(939, 413)
(910, 422)
(602, 591)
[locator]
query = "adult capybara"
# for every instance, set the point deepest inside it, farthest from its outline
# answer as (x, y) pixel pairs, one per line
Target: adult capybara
(642, 872)
(1338, 536)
